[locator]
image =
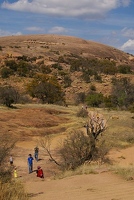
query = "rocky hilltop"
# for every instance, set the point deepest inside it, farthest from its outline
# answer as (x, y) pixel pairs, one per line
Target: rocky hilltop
(48, 45)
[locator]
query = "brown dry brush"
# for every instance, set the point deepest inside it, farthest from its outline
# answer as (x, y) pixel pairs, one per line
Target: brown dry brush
(10, 189)
(79, 147)
(96, 125)
(7, 143)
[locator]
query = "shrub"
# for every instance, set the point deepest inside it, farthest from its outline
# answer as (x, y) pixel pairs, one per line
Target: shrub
(11, 64)
(79, 147)
(107, 67)
(45, 69)
(46, 88)
(61, 59)
(108, 102)
(75, 65)
(112, 70)
(57, 66)
(122, 92)
(94, 99)
(9, 189)
(75, 150)
(82, 113)
(85, 76)
(97, 77)
(8, 95)
(5, 72)
(92, 88)
(23, 68)
(80, 98)
(67, 81)
(131, 108)
(24, 98)
(124, 69)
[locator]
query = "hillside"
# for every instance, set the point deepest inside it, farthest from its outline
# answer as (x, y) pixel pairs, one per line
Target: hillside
(49, 50)
(45, 45)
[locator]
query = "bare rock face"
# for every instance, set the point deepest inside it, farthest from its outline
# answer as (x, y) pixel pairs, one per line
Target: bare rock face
(34, 45)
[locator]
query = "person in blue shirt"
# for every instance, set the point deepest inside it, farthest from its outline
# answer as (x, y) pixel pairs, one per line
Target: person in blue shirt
(30, 163)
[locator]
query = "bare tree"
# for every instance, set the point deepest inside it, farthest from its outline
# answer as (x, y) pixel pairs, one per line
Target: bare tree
(8, 95)
(46, 144)
(95, 126)
(79, 147)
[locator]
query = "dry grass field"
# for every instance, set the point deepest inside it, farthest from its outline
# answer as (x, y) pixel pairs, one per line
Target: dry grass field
(29, 123)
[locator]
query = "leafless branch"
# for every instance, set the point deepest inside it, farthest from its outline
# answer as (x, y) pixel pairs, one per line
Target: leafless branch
(45, 144)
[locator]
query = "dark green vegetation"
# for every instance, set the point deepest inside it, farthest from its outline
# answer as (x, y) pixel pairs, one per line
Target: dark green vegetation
(45, 84)
(8, 95)
(26, 67)
(122, 96)
(46, 88)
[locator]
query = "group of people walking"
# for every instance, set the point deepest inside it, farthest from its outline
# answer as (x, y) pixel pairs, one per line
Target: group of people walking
(30, 159)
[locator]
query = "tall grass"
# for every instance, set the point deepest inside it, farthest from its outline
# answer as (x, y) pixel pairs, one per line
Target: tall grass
(126, 173)
(12, 190)
(83, 169)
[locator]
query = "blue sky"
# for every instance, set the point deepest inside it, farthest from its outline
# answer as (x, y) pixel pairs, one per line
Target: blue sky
(110, 22)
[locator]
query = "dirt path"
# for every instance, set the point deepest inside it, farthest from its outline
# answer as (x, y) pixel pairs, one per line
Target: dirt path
(101, 186)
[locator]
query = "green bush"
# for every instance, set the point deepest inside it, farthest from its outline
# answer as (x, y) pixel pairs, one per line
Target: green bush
(124, 69)
(46, 88)
(107, 67)
(94, 99)
(122, 92)
(5, 72)
(86, 77)
(67, 81)
(24, 68)
(57, 66)
(75, 65)
(11, 64)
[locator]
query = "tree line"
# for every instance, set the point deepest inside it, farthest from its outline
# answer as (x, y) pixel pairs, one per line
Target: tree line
(47, 89)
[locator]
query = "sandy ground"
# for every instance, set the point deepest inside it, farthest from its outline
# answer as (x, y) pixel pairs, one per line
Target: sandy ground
(101, 186)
